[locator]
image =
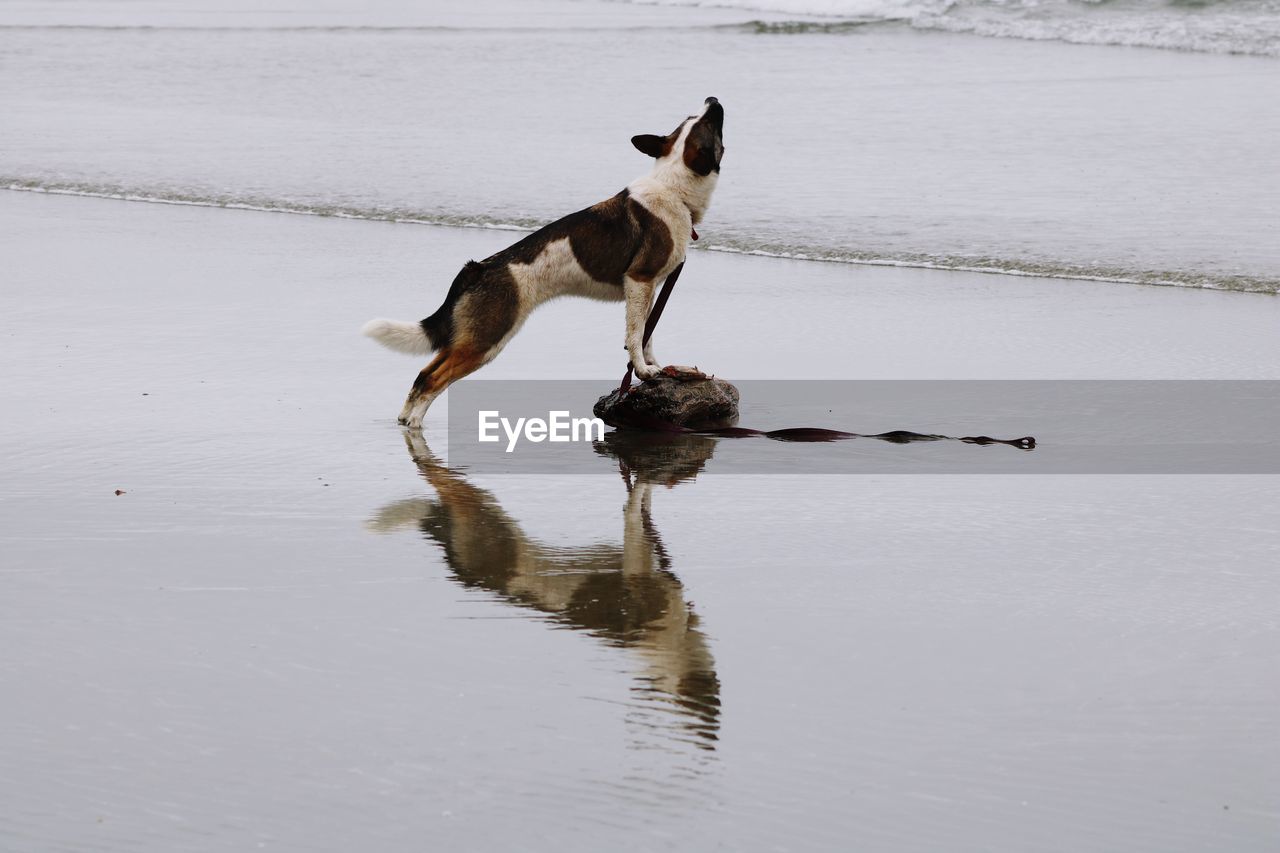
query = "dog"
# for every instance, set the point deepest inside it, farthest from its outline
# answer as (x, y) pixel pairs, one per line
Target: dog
(618, 250)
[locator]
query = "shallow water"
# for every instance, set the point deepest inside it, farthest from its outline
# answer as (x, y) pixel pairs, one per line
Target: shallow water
(885, 143)
(297, 630)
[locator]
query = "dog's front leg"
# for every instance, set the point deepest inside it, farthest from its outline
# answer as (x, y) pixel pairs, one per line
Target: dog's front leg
(639, 296)
(649, 357)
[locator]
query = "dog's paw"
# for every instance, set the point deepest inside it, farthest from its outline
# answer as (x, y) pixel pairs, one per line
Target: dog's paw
(648, 371)
(682, 373)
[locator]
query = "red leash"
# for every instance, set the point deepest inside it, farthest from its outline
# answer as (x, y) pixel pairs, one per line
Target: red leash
(897, 436)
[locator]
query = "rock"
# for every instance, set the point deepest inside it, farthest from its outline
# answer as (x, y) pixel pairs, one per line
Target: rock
(671, 404)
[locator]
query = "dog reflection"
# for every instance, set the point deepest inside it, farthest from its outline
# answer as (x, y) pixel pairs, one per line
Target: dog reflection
(627, 596)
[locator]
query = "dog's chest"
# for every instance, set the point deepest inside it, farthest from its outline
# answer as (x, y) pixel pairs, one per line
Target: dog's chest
(667, 208)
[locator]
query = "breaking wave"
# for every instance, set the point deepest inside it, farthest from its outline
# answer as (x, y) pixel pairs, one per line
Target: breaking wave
(1250, 27)
(1247, 27)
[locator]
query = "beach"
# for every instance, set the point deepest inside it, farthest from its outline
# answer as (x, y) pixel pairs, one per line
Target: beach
(268, 639)
(242, 609)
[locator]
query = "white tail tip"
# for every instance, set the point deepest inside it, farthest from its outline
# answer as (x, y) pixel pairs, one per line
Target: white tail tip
(401, 337)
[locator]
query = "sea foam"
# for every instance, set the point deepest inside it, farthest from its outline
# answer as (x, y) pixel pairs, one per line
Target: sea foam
(1241, 27)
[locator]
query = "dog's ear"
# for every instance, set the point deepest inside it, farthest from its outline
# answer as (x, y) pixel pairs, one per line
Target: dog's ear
(647, 143)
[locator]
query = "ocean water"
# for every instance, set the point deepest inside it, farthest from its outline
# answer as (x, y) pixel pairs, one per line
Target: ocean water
(862, 131)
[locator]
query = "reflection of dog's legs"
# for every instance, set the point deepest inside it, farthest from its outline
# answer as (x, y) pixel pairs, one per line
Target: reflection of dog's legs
(451, 487)
(411, 511)
(678, 662)
(637, 545)
(420, 452)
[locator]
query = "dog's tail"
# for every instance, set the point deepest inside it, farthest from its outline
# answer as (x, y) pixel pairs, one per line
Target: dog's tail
(435, 332)
(400, 336)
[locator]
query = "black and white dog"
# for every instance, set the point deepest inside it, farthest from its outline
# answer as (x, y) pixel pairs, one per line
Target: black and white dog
(619, 249)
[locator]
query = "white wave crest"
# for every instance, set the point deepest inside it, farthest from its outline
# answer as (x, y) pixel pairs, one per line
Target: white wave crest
(1211, 26)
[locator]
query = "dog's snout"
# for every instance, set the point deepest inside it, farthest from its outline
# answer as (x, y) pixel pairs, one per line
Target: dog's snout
(713, 114)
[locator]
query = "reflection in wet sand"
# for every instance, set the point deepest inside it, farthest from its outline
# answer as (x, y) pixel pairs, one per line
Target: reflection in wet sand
(627, 596)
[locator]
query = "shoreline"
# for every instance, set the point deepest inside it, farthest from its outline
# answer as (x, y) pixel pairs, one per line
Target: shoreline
(829, 320)
(1157, 279)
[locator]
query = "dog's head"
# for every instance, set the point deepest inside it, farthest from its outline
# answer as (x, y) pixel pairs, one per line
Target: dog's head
(698, 142)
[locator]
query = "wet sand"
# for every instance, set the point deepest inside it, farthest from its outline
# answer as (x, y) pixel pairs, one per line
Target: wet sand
(297, 629)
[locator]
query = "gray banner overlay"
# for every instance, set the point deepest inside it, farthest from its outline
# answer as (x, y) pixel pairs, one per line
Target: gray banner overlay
(1080, 427)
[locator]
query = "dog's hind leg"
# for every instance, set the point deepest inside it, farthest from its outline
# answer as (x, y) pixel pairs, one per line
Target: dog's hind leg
(421, 385)
(481, 320)
(451, 365)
